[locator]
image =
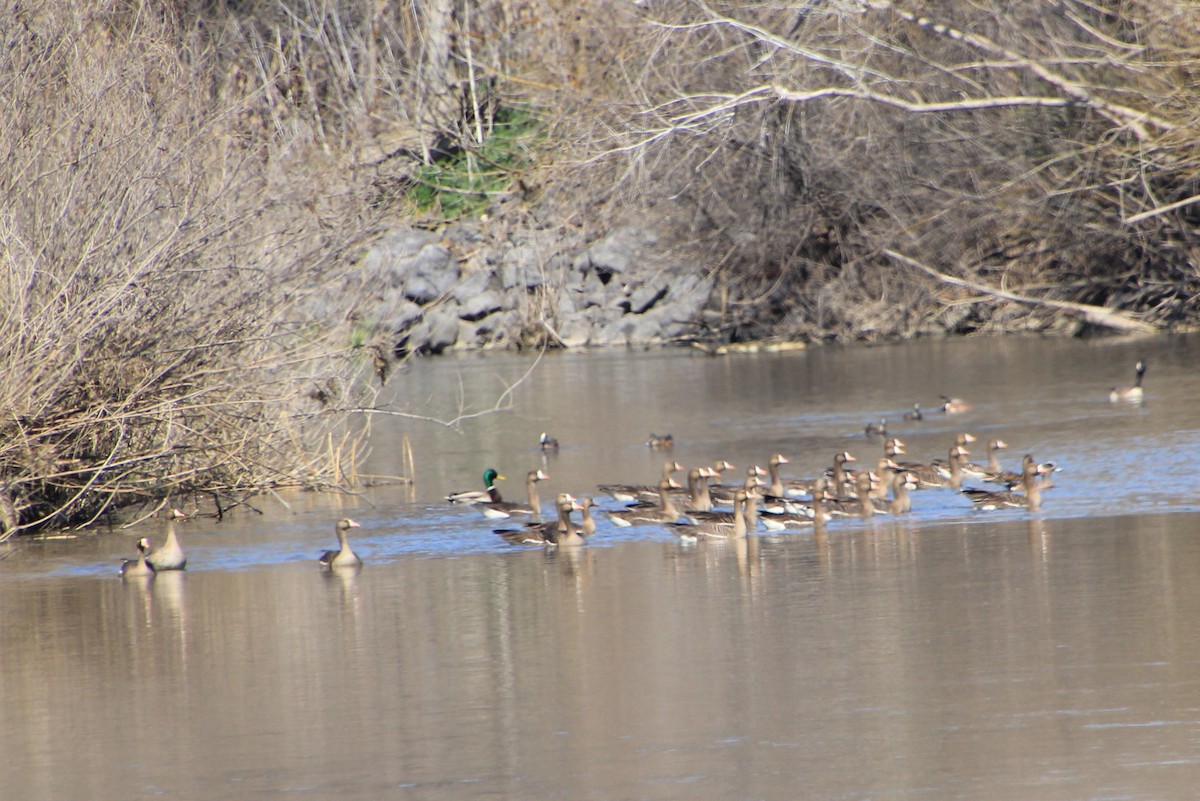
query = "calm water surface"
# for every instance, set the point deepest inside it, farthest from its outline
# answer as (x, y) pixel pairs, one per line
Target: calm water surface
(945, 654)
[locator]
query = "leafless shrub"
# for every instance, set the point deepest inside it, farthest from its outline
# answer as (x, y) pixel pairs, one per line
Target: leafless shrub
(1017, 146)
(151, 259)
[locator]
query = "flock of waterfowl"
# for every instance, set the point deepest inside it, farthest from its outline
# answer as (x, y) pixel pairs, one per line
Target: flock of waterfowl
(706, 508)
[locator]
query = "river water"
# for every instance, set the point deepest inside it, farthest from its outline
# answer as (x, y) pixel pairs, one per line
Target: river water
(948, 653)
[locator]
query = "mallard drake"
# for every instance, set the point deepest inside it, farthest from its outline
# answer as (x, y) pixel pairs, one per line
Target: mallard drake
(170, 555)
(490, 493)
(343, 558)
(140, 567)
(547, 442)
(955, 405)
(1030, 498)
(1134, 393)
(561, 530)
(664, 512)
(634, 492)
(498, 510)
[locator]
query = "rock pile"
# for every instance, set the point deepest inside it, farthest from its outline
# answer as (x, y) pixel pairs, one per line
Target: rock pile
(428, 292)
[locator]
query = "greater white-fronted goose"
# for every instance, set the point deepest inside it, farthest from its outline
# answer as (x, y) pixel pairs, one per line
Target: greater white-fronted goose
(554, 532)
(343, 558)
(588, 524)
(886, 470)
(962, 439)
(1134, 393)
(726, 493)
(719, 526)
(170, 555)
(902, 483)
(140, 567)
(840, 479)
(699, 498)
(800, 514)
(489, 494)
(1030, 499)
(498, 510)
(984, 472)
(775, 487)
(955, 405)
(664, 512)
(635, 492)
(940, 474)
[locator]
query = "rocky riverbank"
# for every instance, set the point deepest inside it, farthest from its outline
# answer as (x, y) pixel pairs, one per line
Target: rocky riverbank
(426, 293)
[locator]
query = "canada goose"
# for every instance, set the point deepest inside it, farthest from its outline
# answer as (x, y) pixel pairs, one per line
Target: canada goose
(548, 533)
(1030, 499)
(532, 507)
(343, 557)
(489, 494)
(955, 405)
(170, 556)
(1133, 393)
(547, 442)
(138, 568)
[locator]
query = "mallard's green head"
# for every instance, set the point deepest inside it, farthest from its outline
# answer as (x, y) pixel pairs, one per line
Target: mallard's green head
(490, 477)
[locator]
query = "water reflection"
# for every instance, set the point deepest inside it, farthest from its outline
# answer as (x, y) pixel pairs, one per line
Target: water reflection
(945, 653)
